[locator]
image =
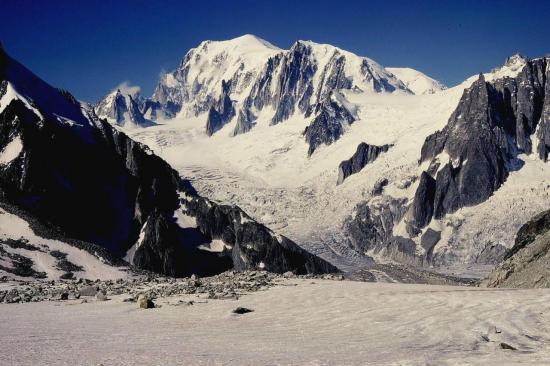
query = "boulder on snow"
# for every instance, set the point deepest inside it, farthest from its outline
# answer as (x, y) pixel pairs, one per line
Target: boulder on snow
(145, 303)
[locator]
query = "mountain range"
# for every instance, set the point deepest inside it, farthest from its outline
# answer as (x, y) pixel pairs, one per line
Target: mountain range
(354, 163)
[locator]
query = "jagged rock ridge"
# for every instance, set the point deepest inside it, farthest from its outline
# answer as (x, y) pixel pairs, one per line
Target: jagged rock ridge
(364, 155)
(527, 263)
(472, 156)
(122, 110)
(69, 168)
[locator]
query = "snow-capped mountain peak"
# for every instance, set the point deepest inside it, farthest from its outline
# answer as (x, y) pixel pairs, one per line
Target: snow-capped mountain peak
(121, 109)
(243, 44)
(511, 68)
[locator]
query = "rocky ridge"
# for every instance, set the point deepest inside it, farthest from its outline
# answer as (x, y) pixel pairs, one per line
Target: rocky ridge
(63, 165)
(465, 162)
(527, 263)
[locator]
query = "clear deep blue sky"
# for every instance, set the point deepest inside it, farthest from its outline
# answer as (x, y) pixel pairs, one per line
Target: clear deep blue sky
(88, 47)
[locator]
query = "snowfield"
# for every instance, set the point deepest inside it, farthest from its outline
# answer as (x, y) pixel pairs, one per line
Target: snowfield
(299, 322)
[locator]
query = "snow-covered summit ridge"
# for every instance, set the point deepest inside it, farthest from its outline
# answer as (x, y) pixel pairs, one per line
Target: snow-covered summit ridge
(416, 81)
(121, 107)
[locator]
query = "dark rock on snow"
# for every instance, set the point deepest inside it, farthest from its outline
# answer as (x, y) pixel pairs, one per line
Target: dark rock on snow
(364, 155)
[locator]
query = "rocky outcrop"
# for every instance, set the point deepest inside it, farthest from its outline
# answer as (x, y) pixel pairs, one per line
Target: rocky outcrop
(421, 210)
(245, 122)
(472, 156)
(543, 129)
(330, 121)
(371, 226)
(253, 246)
(155, 111)
(294, 87)
(364, 155)
(220, 113)
(121, 109)
(527, 263)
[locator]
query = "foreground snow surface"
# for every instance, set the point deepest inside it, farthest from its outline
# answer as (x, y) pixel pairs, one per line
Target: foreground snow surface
(301, 322)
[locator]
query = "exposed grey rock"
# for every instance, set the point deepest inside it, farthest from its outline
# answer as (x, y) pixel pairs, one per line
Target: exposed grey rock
(527, 263)
(245, 122)
(253, 245)
(331, 118)
(372, 225)
(491, 125)
(101, 296)
(88, 291)
(155, 110)
(145, 303)
(379, 185)
(428, 241)
(421, 210)
(122, 109)
(294, 86)
(491, 254)
(507, 346)
(242, 310)
(364, 155)
(220, 113)
(19, 265)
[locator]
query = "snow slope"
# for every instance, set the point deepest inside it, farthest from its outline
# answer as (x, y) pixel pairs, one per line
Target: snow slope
(416, 81)
(299, 322)
(14, 227)
(199, 76)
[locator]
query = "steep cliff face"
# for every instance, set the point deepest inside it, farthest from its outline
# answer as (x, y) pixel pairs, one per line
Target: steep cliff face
(364, 155)
(122, 110)
(220, 113)
(496, 121)
(527, 263)
(67, 167)
(472, 156)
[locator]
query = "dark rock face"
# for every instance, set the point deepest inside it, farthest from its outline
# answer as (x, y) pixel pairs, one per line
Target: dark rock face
(99, 186)
(328, 124)
(543, 133)
(428, 241)
(156, 110)
(294, 87)
(253, 245)
(222, 112)
(333, 77)
(491, 125)
(245, 122)
(526, 264)
(378, 83)
(364, 155)
(372, 225)
(109, 180)
(421, 210)
(491, 254)
(538, 225)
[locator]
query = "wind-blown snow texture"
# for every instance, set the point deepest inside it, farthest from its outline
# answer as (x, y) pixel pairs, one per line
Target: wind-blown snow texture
(321, 323)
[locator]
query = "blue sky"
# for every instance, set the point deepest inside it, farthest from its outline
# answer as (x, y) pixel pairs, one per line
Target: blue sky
(88, 47)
